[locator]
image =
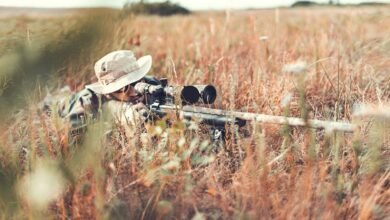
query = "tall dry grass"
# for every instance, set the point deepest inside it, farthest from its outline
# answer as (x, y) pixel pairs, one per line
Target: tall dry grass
(313, 63)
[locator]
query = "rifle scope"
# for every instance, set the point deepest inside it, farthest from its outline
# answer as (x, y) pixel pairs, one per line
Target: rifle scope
(194, 93)
(189, 95)
(207, 93)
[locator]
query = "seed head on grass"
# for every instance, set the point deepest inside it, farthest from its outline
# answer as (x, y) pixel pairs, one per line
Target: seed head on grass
(298, 67)
(42, 186)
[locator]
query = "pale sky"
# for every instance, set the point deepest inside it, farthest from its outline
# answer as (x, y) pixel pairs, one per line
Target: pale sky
(191, 4)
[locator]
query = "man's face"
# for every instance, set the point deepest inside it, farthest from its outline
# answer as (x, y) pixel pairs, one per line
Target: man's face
(127, 94)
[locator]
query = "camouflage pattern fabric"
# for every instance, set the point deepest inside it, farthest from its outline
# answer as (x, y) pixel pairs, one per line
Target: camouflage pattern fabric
(85, 107)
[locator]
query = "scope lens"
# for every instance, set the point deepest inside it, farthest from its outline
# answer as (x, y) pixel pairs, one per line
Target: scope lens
(209, 94)
(189, 95)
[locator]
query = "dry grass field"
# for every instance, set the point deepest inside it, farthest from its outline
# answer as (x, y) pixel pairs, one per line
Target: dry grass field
(312, 63)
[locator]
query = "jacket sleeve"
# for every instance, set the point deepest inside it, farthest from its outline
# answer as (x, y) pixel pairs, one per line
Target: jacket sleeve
(126, 115)
(79, 110)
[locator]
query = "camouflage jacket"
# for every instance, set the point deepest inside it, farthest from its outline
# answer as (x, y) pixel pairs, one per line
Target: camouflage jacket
(84, 107)
(80, 107)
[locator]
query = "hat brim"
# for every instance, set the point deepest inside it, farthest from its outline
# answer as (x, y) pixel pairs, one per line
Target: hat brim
(145, 64)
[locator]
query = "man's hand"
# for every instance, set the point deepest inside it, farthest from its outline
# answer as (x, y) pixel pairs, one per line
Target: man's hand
(139, 106)
(136, 99)
(142, 110)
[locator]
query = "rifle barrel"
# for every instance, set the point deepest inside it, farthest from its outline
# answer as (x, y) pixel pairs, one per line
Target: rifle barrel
(319, 124)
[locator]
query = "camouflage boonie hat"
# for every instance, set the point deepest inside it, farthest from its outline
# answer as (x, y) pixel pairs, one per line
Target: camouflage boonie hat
(119, 69)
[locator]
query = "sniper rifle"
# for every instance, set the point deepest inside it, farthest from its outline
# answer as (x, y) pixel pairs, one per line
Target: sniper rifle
(187, 101)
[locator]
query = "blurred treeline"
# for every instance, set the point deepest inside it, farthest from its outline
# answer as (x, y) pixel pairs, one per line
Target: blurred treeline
(334, 3)
(158, 8)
